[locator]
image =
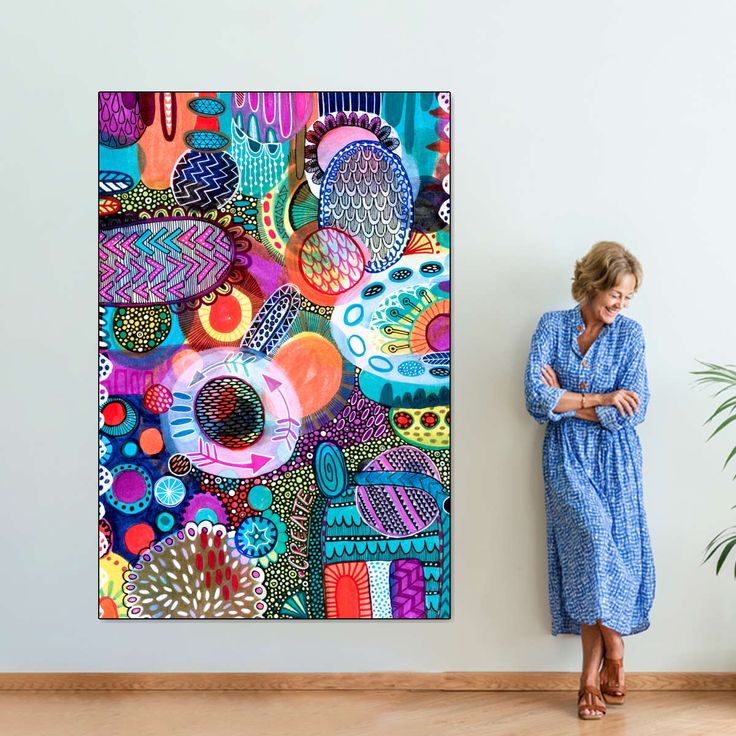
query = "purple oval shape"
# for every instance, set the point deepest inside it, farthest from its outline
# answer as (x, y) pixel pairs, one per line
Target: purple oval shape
(396, 511)
(162, 261)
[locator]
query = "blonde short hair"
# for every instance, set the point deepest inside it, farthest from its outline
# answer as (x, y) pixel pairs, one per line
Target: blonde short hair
(601, 268)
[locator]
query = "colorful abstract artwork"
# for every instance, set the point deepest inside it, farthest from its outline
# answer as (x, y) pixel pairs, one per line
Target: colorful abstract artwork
(274, 355)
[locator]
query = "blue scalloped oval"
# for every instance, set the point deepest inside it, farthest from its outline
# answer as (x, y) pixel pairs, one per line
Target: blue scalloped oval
(366, 191)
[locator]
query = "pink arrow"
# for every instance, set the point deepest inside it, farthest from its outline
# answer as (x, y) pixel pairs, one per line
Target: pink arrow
(179, 267)
(126, 244)
(175, 290)
(141, 291)
(156, 291)
(202, 239)
(139, 271)
(156, 266)
(210, 265)
(192, 268)
(105, 271)
(186, 237)
(221, 256)
(110, 244)
(124, 291)
(123, 270)
(272, 383)
(223, 241)
(258, 461)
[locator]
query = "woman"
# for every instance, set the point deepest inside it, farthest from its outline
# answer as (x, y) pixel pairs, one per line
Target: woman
(586, 378)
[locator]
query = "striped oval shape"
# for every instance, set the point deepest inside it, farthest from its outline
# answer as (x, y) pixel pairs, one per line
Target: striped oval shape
(396, 511)
(114, 182)
(207, 106)
(206, 140)
(162, 261)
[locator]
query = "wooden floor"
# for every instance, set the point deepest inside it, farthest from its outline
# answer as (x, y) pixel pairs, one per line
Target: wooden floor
(358, 713)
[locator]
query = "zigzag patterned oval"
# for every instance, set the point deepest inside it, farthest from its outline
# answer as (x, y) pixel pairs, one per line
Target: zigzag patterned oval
(204, 180)
(273, 320)
(366, 192)
(162, 261)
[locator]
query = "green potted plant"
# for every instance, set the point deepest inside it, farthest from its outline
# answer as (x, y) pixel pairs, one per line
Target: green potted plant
(725, 377)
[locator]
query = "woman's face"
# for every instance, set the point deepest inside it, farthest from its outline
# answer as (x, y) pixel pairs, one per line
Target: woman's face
(607, 304)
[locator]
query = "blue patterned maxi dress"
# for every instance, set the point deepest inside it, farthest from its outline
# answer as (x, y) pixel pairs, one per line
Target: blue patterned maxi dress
(599, 555)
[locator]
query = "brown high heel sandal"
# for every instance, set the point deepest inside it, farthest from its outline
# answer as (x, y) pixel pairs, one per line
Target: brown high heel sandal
(613, 695)
(598, 710)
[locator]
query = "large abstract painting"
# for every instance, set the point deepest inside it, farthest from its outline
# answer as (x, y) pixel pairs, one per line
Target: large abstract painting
(274, 355)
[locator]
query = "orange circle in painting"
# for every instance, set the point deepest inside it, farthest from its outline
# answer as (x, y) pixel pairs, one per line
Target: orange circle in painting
(228, 318)
(151, 441)
(138, 538)
(108, 608)
(314, 367)
(331, 261)
(325, 264)
(226, 313)
(184, 359)
(431, 330)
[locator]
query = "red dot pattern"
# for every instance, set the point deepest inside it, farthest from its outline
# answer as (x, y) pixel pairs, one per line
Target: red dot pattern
(157, 399)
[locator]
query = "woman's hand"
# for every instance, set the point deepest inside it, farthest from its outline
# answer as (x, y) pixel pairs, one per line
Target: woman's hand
(627, 402)
(550, 377)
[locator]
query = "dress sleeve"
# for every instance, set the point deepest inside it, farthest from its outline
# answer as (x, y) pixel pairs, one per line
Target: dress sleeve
(540, 398)
(632, 376)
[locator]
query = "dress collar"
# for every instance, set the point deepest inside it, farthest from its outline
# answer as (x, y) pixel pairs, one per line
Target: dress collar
(578, 326)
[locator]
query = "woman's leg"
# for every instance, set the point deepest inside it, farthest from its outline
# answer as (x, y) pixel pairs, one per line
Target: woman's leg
(592, 641)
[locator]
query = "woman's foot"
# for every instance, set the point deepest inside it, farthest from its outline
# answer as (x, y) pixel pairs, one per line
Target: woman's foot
(591, 705)
(612, 682)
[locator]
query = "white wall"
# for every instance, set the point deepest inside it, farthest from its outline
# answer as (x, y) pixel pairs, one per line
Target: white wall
(574, 121)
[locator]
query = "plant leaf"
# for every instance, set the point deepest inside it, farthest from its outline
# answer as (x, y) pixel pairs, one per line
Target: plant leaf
(713, 551)
(720, 534)
(721, 368)
(728, 403)
(722, 425)
(714, 373)
(724, 554)
(716, 379)
(730, 456)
